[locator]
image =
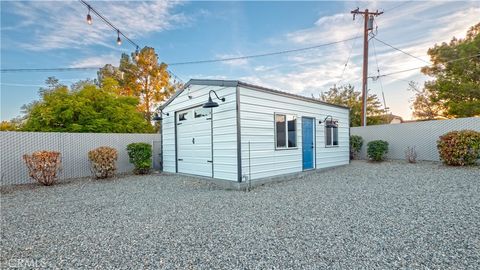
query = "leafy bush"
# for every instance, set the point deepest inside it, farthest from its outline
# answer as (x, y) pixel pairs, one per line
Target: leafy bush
(140, 155)
(411, 155)
(43, 166)
(102, 161)
(459, 148)
(376, 150)
(356, 143)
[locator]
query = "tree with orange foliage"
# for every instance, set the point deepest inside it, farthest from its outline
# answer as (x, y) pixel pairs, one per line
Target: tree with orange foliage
(140, 75)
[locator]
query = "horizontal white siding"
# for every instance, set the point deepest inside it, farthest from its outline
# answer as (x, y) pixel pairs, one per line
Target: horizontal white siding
(257, 109)
(224, 129)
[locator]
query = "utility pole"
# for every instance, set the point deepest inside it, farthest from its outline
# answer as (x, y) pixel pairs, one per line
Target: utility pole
(368, 26)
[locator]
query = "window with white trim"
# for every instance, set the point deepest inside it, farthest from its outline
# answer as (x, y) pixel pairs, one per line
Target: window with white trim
(331, 133)
(285, 131)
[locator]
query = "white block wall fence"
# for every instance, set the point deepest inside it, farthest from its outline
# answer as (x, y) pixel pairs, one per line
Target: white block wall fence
(423, 135)
(73, 147)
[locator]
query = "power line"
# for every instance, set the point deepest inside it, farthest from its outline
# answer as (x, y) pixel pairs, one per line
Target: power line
(67, 69)
(259, 55)
(8, 70)
(395, 48)
(21, 84)
(410, 69)
(379, 79)
(399, 5)
(349, 55)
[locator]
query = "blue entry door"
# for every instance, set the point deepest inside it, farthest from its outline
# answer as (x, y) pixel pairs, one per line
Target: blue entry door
(308, 142)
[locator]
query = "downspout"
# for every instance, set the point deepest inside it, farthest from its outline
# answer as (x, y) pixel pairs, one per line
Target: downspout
(349, 128)
(161, 145)
(239, 137)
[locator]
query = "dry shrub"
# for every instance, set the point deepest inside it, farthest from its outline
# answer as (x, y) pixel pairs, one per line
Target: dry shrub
(411, 155)
(102, 161)
(43, 166)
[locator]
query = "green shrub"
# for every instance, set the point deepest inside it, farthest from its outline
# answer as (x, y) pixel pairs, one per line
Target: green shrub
(459, 148)
(140, 155)
(102, 161)
(356, 143)
(376, 150)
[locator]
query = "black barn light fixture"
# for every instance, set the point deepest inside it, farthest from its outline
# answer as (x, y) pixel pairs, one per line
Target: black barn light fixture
(329, 124)
(158, 117)
(210, 103)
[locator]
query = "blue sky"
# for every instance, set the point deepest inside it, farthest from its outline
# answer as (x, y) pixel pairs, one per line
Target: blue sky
(42, 34)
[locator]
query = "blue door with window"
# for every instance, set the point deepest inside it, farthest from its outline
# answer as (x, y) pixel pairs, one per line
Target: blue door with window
(308, 142)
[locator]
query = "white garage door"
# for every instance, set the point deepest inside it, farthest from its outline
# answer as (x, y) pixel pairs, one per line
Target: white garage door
(194, 142)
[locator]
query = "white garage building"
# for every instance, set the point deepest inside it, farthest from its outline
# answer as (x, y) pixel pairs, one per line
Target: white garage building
(255, 133)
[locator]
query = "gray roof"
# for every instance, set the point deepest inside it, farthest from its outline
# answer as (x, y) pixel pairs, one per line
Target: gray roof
(234, 83)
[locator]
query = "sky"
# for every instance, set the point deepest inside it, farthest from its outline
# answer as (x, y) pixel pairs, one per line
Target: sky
(54, 34)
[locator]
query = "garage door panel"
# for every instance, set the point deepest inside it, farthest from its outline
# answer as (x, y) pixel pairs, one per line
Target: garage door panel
(194, 143)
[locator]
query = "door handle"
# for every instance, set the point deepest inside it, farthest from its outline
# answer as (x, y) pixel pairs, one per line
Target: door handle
(209, 161)
(180, 159)
(193, 140)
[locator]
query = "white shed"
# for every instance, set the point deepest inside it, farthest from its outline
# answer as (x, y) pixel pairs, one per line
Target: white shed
(255, 133)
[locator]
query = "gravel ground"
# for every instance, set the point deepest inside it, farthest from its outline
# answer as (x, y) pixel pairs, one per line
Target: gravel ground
(365, 215)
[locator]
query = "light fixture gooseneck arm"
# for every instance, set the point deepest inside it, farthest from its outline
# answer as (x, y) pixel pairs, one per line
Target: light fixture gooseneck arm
(325, 120)
(210, 93)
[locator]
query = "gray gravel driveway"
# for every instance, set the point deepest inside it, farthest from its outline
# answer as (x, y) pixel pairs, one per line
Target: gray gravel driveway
(364, 215)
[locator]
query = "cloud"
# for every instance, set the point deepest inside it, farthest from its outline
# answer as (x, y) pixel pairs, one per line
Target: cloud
(413, 29)
(61, 24)
(326, 29)
(96, 61)
(233, 63)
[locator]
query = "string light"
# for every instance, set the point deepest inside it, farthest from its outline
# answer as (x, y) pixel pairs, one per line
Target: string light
(119, 41)
(89, 17)
(137, 54)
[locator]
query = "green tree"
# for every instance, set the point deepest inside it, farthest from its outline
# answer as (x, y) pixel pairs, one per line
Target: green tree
(140, 76)
(8, 126)
(423, 106)
(456, 72)
(85, 109)
(347, 96)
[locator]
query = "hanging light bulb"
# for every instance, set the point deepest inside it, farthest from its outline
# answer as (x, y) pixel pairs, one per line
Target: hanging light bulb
(137, 54)
(119, 41)
(89, 17)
